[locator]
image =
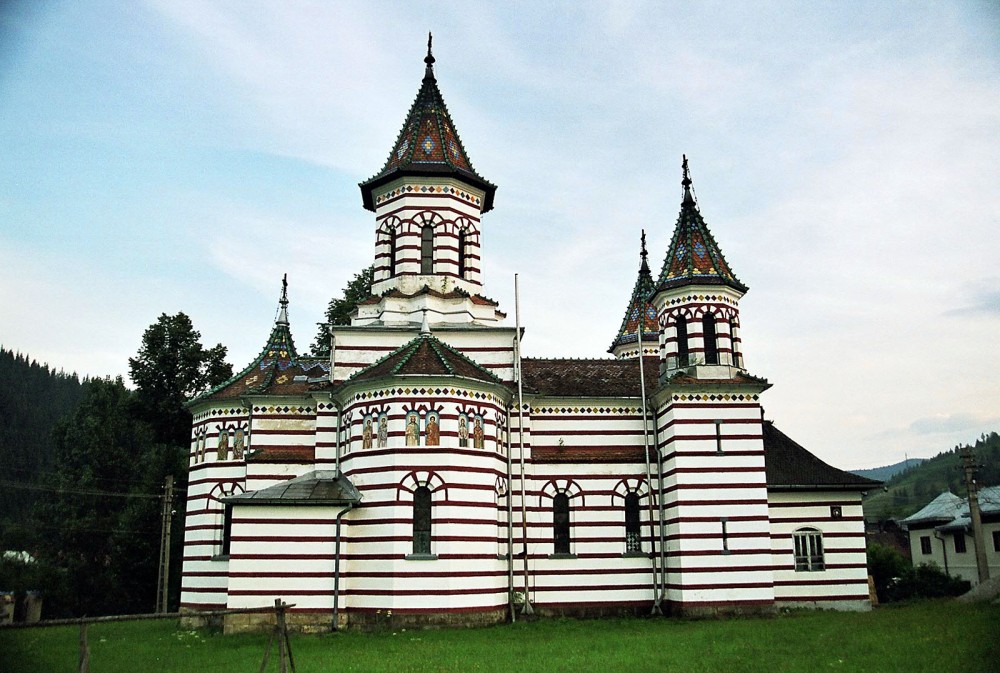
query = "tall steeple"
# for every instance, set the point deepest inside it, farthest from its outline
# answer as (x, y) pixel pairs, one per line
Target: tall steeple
(428, 202)
(428, 144)
(697, 298)
(694, 257)
(626, 344)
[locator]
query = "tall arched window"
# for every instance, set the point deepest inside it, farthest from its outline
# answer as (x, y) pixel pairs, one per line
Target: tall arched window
(422, 520)
(392, 252)
(808, 549)
(227, 529)
(711, 341)
(427, 249)
(732, 343)
(560, 523)
(633, 534)
(680, 327)
(462, 241)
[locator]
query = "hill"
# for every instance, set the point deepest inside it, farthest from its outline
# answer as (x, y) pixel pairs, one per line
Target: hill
(33, 398)
(911, 489)
(887, 472)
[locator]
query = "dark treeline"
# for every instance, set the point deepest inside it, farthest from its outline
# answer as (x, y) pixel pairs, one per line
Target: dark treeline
(33, 398)
(916, 486)
(91, 459)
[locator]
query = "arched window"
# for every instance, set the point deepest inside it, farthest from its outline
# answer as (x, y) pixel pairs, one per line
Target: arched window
(560, 523)
(709, 336)
(732, 343)
(633, 536)
(462, 241)
(422, 520)
(808, 549)
(680, 326)
(392, 252)
(427, 249)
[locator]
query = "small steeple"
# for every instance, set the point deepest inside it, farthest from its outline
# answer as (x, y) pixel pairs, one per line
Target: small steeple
(428, 144)
(640, 313)
(429, 60)
(694, 258)
(283, 302)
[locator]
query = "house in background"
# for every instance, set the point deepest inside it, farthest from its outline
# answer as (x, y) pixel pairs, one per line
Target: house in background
(941, 534)
(424, 470)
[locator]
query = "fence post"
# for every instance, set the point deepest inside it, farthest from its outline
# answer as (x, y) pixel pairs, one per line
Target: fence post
(84, 650)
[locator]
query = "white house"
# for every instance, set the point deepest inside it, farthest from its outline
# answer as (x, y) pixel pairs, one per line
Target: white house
(419, 475)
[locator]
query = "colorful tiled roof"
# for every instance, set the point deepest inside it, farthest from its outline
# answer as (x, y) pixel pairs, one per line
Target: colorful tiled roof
(425, 355)
(277, 364)
(789, 466)
(639, 305)
(694, 257)
(588, 378)
(428, 144)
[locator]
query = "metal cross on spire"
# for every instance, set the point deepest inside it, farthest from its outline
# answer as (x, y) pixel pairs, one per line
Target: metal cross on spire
(429, 59)
(283, 311)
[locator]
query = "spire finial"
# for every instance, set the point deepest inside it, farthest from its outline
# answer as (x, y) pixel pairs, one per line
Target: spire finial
(686, 182)
(429, 59)
(283, 302)
(425, 327)
(643, 254)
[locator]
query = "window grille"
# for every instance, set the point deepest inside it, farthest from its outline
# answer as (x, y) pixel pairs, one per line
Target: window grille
(422, 520)
(633, 536)
(560, 523)
(808, 550)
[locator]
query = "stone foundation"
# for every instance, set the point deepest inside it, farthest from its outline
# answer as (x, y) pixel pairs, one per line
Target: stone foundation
(719, 610)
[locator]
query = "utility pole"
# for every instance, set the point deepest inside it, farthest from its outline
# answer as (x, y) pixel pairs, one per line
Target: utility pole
(166, 518)
(969, 468)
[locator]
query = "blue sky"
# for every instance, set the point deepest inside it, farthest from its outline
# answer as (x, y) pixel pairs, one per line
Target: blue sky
(181, 156)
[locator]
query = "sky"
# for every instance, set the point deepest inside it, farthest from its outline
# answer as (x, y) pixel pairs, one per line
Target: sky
(170, 155)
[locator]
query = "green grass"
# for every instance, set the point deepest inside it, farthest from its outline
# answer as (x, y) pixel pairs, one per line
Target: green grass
(933, 636)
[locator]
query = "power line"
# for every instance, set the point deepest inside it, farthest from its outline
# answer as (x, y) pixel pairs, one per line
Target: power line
(78, 491)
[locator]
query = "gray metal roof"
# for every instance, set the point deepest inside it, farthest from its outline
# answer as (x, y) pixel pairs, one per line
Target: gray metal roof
(319, 487)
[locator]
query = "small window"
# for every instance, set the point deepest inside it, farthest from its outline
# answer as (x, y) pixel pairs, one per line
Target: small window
(711, 341)
(960, 542)
(718, 436)
(996, 540)
(633, 532)
(427, 250)
(392, 252)
(682, 342)
(732, 344)
(227, 529)
(836, 512)
(462, 243)
(422, 520)
(808, 550)
(725, 535)
(925, 544)
(560, 523)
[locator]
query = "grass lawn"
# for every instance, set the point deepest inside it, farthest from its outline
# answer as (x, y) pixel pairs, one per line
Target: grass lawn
(938, 636)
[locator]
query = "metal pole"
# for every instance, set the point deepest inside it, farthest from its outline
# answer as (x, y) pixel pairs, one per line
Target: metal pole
(163, 575)
(526, 609)
(510, 525)
(649, 476)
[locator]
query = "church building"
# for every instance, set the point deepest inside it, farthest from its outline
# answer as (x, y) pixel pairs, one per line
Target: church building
(424, 473)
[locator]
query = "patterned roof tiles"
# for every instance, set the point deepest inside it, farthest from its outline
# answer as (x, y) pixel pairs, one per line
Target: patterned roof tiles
(428, 144)
(694, 257)
(639, 305)
(588, 378)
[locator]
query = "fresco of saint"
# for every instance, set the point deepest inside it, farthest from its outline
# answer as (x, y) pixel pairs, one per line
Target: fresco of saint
(477, 433)
(222, 449)
(463, 430)
(433, 430)
(366, 434)
(238, 439)
(412, 430)
(383, 431)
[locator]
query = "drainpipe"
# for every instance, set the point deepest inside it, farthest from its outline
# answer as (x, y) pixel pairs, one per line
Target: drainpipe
(649, 477)
(944, 549)
(527, 609)
(510, 526)
(340, 416)
(663, 521)
(336, 566)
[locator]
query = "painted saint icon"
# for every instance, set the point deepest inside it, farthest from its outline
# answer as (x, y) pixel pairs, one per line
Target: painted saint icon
(383, 431)
(238, 440)
(366, 433)
(412, 430)
(222, 448)
(433, 430)
(477, 433)
(463, 430)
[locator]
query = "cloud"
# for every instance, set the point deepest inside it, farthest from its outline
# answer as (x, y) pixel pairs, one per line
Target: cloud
(978, 298)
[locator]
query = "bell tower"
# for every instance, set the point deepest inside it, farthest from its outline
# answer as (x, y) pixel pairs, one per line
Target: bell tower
(697, 300)
(428, 201)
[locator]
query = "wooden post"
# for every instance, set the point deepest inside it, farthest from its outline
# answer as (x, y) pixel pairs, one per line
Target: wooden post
(279, 629)
(166, 518)
(978, 539)
(84, 650)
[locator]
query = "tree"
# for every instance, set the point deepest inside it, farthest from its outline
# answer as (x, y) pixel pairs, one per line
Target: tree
(103, 547)
(170, 368)
(339, 311)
